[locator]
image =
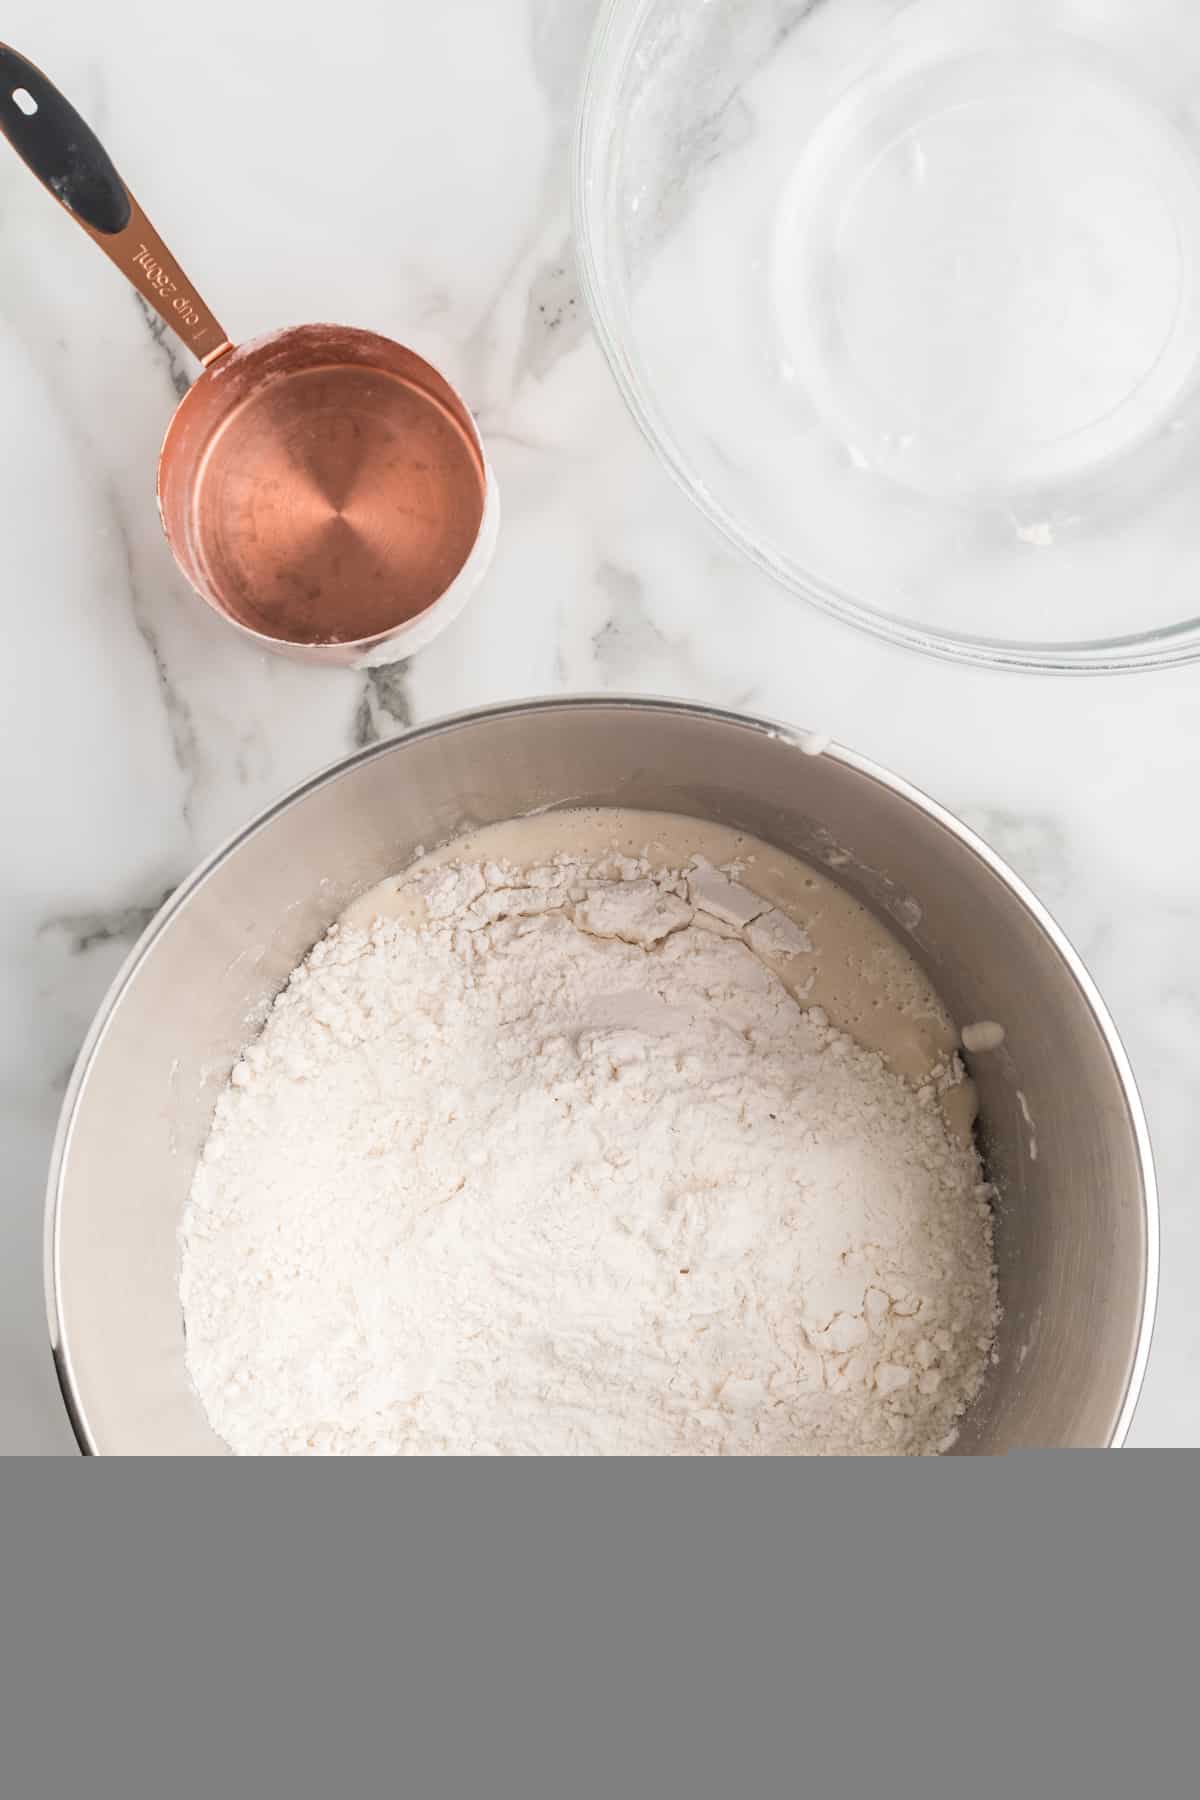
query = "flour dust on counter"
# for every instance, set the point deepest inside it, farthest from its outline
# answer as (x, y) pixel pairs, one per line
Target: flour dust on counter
(595, 1133)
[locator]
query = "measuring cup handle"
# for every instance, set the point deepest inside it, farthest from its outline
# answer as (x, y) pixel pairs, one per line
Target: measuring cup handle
(71, 163)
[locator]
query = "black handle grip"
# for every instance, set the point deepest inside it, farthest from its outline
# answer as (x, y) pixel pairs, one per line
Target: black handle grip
(59, 147)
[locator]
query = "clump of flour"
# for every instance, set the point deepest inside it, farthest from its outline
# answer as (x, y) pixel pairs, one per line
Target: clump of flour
(565, 1168)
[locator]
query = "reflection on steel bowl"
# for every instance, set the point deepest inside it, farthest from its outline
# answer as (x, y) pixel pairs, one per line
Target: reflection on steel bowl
(1062, 1130)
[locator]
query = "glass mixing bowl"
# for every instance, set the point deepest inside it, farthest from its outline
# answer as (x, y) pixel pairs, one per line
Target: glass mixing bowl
(906, 295)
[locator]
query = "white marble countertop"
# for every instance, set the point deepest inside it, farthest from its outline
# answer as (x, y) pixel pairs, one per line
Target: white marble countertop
(409, 172)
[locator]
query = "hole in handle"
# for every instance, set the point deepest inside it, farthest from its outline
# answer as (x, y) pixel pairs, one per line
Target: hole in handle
(25, 101)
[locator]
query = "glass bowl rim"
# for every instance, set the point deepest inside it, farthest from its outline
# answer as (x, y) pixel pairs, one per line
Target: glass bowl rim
(610, 50)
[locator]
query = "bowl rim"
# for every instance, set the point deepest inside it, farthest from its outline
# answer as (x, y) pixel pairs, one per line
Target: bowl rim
(608, 55)
(800, 740)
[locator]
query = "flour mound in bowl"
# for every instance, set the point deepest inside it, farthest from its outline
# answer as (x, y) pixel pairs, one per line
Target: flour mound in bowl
(556, 1163)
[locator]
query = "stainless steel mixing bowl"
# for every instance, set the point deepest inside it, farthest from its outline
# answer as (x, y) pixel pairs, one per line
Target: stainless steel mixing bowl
(1063, 1130)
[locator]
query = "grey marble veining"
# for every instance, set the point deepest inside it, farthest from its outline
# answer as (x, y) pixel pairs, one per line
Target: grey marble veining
(427, 165)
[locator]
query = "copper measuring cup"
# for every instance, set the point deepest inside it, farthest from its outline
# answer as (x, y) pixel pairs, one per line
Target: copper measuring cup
(323, 488)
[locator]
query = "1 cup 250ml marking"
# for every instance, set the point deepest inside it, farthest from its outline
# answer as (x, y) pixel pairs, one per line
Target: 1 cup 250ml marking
(157, 278)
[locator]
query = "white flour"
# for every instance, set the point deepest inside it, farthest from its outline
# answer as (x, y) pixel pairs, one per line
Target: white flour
(568, 1169)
